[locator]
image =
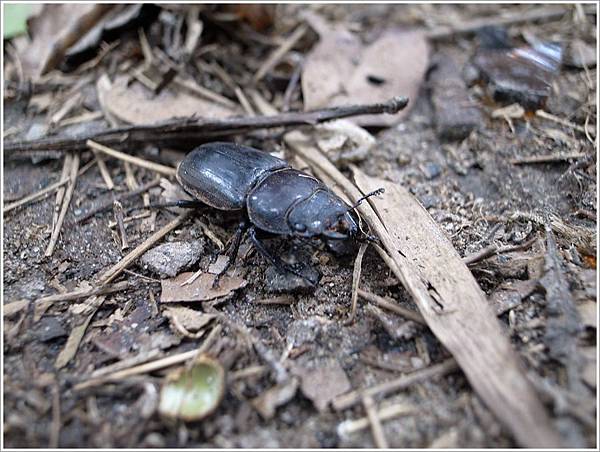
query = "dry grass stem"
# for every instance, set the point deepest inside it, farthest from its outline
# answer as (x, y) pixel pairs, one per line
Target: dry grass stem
(356, 279)
(384, 414)
(79, 294)
(103, 170)
(34, 196)
(391, 306)
(65, 205)
(162, 169)
(376, 428)
(153, 365)
(279, 52)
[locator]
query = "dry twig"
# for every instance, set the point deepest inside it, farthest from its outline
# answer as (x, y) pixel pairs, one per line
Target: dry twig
(394, 307)
(153, 365)
(353, 397)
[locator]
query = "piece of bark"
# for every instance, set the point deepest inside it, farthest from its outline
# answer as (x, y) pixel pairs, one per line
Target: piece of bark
(455, 115)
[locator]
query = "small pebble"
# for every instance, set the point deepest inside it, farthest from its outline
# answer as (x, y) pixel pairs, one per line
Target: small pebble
(170, 259)
(431, 170)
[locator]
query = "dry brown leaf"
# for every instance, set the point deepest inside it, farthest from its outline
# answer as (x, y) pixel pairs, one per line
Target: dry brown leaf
(323, 383)
(278, 395)
(136, 104)
(339, 71)
(327, 67)
(200, 290)
(510, 294)
(56, 28)
(260, 17)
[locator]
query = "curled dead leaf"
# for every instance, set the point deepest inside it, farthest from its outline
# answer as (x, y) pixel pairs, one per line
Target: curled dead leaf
(135, 104)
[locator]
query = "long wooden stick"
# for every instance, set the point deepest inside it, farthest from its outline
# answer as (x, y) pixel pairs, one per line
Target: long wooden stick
(188, 130)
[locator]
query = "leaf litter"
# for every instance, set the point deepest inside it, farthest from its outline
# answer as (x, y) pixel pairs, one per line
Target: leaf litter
(378, 346)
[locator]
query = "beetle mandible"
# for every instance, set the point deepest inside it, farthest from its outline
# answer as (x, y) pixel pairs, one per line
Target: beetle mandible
(272, 197)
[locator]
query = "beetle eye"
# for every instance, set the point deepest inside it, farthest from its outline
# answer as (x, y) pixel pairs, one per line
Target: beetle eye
(300, 227)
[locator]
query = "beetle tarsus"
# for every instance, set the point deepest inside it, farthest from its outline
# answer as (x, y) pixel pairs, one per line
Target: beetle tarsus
(276, 261)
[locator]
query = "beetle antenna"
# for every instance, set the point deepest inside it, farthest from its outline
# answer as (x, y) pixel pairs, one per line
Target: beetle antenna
(379, 191)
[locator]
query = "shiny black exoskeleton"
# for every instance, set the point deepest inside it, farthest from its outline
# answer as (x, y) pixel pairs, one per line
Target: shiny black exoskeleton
(272, 197)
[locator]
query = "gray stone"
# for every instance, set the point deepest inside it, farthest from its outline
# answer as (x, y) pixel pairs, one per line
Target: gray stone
(288, 282)
(431, 170)
(49, 328)
(170, 259)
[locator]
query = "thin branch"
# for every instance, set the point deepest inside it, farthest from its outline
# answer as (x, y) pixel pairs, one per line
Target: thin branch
(493, 249)
(376, 428)
(78, 294)
(108, 204)
(187, 130)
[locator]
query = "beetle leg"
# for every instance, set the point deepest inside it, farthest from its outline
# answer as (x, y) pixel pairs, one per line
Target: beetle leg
(232, 250)
(276, 261)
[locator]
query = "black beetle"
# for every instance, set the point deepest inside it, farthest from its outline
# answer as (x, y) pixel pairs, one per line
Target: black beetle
(272, 197)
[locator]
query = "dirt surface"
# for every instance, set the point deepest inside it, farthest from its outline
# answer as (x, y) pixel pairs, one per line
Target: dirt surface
(470, 186)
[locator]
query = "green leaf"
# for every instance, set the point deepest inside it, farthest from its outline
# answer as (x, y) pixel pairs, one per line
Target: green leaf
(15, 18)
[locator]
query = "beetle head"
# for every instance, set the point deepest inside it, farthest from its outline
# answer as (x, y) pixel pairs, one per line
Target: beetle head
(327, 216)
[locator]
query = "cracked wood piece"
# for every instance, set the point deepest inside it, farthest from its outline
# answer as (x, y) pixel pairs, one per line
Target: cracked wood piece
(456, 310)
(453, 305)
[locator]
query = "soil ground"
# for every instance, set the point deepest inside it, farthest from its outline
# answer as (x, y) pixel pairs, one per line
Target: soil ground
(471, 189)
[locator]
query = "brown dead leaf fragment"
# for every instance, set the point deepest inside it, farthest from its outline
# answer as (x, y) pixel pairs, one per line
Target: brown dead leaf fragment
(260, 17)
(278, 395)
(136, 104)
(323, 383)
(200, 290)
(340, 71)
(192, 321)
